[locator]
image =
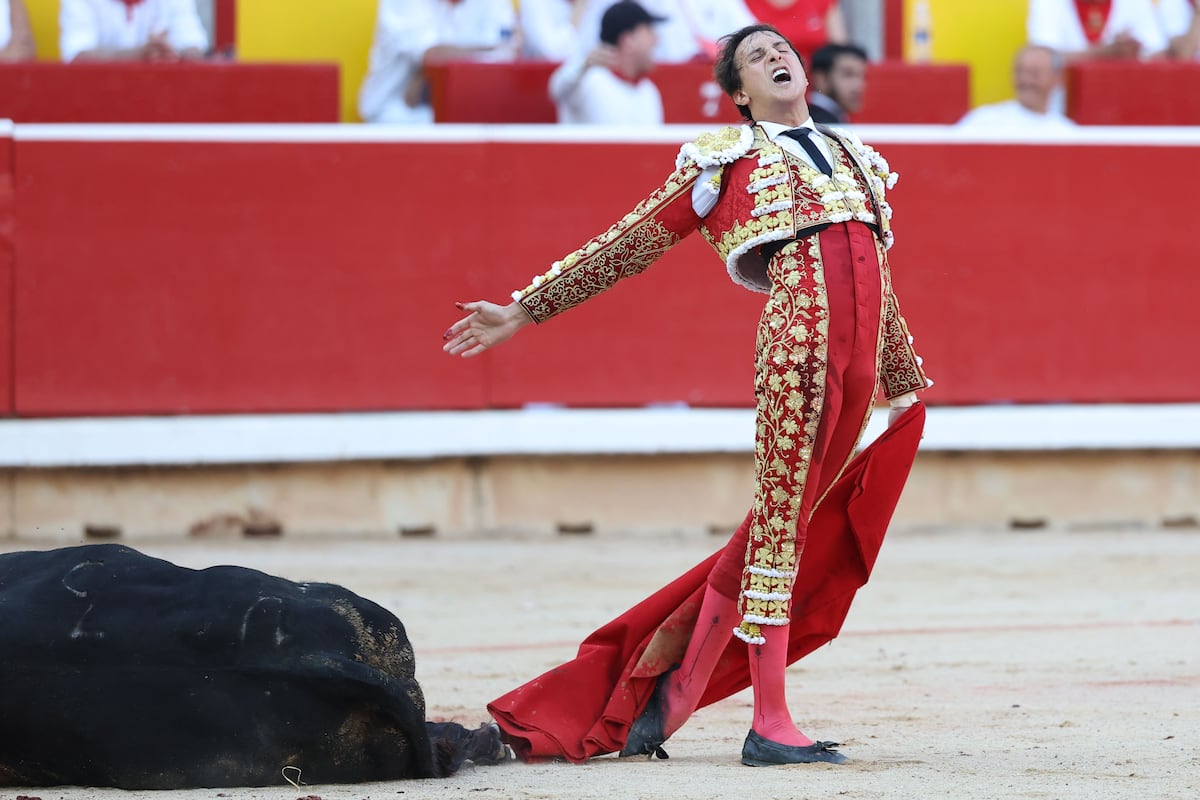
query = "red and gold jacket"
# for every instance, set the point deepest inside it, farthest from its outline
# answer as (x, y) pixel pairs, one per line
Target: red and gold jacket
(762, 195)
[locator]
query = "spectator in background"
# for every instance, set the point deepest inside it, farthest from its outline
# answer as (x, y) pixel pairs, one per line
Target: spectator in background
(609, 86)
(550, 28)
(808, 24)
(130, 30)
(838, 78)
(16, 35)
(690, 31)
(409, 34)
(1181, 24)
(1037, 73)
(1086, 29)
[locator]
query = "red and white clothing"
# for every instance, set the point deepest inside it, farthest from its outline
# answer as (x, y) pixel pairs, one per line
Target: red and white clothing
(1176, 17)
(120, 25)
(691, 28)
(830, 333)
(1012, 117)
(803, 23)
(1072, 26)
(598, 96)
(5, 23)
(405, 29)
(548, 32)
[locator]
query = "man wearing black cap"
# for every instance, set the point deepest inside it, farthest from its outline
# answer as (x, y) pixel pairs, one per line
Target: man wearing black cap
(609, 85)
(689, 32)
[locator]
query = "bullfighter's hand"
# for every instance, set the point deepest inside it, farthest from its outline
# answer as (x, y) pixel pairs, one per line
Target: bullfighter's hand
(485, 326)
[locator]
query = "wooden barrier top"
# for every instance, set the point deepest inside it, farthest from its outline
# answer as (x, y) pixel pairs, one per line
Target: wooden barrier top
(202, 91)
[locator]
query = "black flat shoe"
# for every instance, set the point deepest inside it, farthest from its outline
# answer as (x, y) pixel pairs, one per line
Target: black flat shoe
(646, 734)
(762, 752)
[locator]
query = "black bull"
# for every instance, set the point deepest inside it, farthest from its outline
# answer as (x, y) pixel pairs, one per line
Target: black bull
(117, 669)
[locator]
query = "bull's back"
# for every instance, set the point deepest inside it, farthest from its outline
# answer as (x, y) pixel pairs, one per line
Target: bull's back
(118, 669)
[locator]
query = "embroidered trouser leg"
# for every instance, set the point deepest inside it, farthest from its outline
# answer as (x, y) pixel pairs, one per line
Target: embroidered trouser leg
(815, 384)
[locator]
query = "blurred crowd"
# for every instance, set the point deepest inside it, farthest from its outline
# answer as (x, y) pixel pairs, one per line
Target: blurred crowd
(607, 49)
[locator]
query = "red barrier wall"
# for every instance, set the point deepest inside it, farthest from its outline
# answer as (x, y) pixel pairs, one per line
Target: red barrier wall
(1134, 93)
(204, 91)
(7, 220)
(166, 277)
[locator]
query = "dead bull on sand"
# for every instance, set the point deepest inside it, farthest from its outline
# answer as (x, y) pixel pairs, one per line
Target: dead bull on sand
(117, 669)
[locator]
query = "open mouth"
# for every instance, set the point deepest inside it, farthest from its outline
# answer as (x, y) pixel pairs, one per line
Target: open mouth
(781, 75)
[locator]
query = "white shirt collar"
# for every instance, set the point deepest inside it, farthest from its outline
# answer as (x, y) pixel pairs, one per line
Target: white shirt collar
(774, 129)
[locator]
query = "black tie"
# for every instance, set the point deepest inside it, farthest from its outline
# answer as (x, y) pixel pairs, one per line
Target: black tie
(801, 135)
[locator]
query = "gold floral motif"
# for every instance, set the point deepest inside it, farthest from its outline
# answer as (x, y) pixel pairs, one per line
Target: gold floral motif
(723, 146)
(790, 390)
(626, 248)
(721, 139)
(898, 364)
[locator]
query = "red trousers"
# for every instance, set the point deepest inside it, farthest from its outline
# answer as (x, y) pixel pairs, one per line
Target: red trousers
(815, 387)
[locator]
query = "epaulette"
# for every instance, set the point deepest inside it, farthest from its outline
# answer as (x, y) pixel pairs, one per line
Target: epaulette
(872, 158)
(718, 147)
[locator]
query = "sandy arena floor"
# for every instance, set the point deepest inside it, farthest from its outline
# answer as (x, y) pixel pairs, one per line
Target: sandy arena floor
(1042, 664)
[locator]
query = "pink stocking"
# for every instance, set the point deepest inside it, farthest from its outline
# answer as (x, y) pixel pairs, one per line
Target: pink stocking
(768, 665)
(714, 627)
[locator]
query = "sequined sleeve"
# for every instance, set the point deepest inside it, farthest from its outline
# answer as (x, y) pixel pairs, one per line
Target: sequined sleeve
(631, 245)
(899, 363)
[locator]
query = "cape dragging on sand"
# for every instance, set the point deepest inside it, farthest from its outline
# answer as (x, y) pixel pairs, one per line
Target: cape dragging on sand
(584, 708)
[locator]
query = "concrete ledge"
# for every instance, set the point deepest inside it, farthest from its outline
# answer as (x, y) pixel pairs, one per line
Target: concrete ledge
(323, 438)
(573, 494)
(553, 471)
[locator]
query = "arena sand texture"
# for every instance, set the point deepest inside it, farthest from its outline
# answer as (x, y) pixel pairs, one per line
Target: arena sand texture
(977, 663)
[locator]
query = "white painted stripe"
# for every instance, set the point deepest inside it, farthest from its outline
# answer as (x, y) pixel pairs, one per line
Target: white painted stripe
(543, 134)
(288, 133)
(300, 438)
(6, 128)
(1159, 135)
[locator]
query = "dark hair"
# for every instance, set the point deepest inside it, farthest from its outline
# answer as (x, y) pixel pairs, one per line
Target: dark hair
(824, 59)
(622, 17)
(726, 71)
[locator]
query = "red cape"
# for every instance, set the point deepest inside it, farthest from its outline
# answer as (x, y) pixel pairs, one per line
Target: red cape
(584, 707)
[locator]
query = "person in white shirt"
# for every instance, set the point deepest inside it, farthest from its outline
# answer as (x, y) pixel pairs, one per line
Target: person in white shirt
(1037, 73)
(609, 86)
(550, 28)
(691, 28)
(1096, 28)
(16, 36)
(1181, 22)
(412, 33)
(130, 30)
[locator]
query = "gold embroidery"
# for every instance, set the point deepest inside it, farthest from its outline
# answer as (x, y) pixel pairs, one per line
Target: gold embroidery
(790, 388)
(897, 360)
(790, 385)
(790, 196)
(627, 248)
(714, 143)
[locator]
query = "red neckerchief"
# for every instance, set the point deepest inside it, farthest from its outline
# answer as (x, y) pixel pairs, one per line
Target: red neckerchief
(1093, 16)
(129, 4)
(625, 78)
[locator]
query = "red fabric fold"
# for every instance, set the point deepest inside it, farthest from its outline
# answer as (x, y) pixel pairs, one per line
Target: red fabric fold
(584, 708)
